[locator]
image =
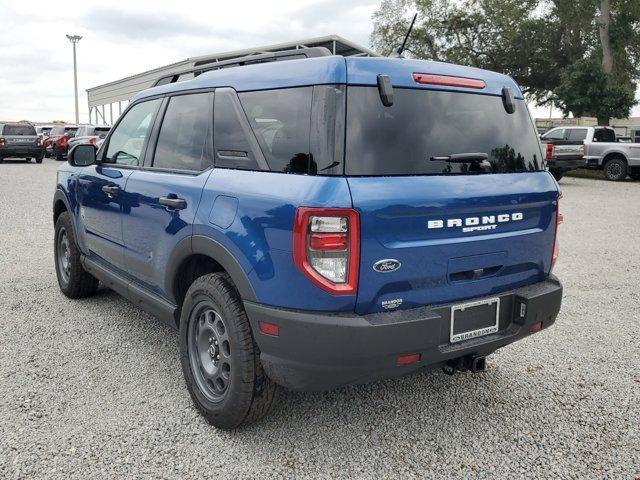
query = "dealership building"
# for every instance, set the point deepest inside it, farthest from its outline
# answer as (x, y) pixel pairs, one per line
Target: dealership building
(107, 102)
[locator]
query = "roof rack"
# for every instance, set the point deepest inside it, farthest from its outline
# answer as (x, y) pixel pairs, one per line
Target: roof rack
(279, 56)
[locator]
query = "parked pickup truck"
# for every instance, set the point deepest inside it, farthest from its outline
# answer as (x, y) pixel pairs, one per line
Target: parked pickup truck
(564, 151)
(289, 249)
(602, 150)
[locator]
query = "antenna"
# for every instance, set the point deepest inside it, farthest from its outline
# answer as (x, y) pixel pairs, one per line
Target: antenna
(406, 37)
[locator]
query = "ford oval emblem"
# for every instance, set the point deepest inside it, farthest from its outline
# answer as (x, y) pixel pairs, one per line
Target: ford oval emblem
(387, 265)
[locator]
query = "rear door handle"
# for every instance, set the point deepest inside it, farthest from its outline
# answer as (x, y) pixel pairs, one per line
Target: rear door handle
(177, 203)
(111, 189)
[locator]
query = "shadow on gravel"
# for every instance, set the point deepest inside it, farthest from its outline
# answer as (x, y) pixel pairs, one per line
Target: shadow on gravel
(19, 160)
(427, 404)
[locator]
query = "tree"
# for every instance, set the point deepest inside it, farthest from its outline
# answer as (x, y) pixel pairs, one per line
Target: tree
(586, 90)
(544, 44)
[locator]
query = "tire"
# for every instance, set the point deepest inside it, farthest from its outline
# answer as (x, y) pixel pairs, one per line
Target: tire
(59, 156)
(27, 160)
(39, 158)
(557, 174)
(615, 169)
(73, 280)
(220, 359)
(1, 160)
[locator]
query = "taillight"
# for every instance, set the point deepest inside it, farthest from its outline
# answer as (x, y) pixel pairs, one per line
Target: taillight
(3, 142)
(326, 247)
(583, 151)
(556, 243)
(39, 141)
(92, 140)
(550, 150)
(448, 81)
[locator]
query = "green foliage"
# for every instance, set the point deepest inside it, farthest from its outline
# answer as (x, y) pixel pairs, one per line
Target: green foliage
(586, 90)
(542, 44)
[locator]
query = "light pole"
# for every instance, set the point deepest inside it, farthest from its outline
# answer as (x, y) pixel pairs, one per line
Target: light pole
(75, 39)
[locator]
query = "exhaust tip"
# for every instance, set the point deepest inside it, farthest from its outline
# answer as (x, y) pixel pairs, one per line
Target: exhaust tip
(471, 363)
(478, 364)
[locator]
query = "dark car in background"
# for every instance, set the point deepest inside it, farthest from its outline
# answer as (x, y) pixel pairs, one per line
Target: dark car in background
(19, 140)
(57, 144)
(89, 134)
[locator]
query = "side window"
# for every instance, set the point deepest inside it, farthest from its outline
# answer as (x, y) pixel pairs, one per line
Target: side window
(604, 135)
(554, 135)
(577, 134)
(185, 132)
(127, 140)
(281, 121)
(232, 134)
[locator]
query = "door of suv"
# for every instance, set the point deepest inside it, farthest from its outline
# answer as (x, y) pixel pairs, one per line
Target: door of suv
(101, 187)
(164, 196)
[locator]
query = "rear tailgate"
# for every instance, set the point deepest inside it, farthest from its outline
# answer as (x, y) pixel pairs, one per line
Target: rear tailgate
(568, 151)
(21, 141)
(19, 136)
(450, 185)
(489, 234)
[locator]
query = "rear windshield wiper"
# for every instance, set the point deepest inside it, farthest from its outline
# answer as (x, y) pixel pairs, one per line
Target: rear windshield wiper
(462, 158)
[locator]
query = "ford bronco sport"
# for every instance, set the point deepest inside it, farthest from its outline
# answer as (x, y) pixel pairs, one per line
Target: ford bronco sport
(317, 221)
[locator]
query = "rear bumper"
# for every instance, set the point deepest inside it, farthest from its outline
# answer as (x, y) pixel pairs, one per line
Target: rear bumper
(567, 165)
(593, 162)
(21, 151)
(320, 351)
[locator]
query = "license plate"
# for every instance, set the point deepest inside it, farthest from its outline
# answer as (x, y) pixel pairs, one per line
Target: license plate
(474, 319)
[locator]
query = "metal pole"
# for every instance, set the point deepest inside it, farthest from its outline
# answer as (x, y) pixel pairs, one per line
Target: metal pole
(75, 82)
(75, 39)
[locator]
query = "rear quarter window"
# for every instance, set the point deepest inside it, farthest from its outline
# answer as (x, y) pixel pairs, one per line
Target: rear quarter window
(280, 120)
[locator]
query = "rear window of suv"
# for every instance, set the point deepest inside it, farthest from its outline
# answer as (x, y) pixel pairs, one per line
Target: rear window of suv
(18, 130)
(422, 124)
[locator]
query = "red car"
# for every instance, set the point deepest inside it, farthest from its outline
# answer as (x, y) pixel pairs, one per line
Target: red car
(57, 144)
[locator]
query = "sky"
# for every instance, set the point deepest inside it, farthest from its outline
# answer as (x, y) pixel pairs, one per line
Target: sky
(122, 38)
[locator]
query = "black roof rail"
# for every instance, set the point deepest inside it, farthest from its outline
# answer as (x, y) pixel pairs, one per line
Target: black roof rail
(279, 56)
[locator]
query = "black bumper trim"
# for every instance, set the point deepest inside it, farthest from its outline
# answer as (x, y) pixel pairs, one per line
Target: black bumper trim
(320, 351)
(567, 165)
(21, 151)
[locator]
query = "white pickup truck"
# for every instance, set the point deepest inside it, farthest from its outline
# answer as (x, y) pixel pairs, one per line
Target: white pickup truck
(601, 150)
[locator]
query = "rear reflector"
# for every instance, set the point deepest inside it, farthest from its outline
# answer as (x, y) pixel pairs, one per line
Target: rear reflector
(448, 81)
(269, 329)
(556, 244)
(536, 327)
(408, 359)
(329, 241)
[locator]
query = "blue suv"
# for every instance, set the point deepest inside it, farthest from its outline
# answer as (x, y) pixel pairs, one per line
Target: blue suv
(313, 221)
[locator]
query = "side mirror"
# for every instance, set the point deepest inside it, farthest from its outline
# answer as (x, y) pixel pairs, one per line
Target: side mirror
(82, 155)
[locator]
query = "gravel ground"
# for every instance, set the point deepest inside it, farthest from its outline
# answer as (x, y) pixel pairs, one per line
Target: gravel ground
(93, 388)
